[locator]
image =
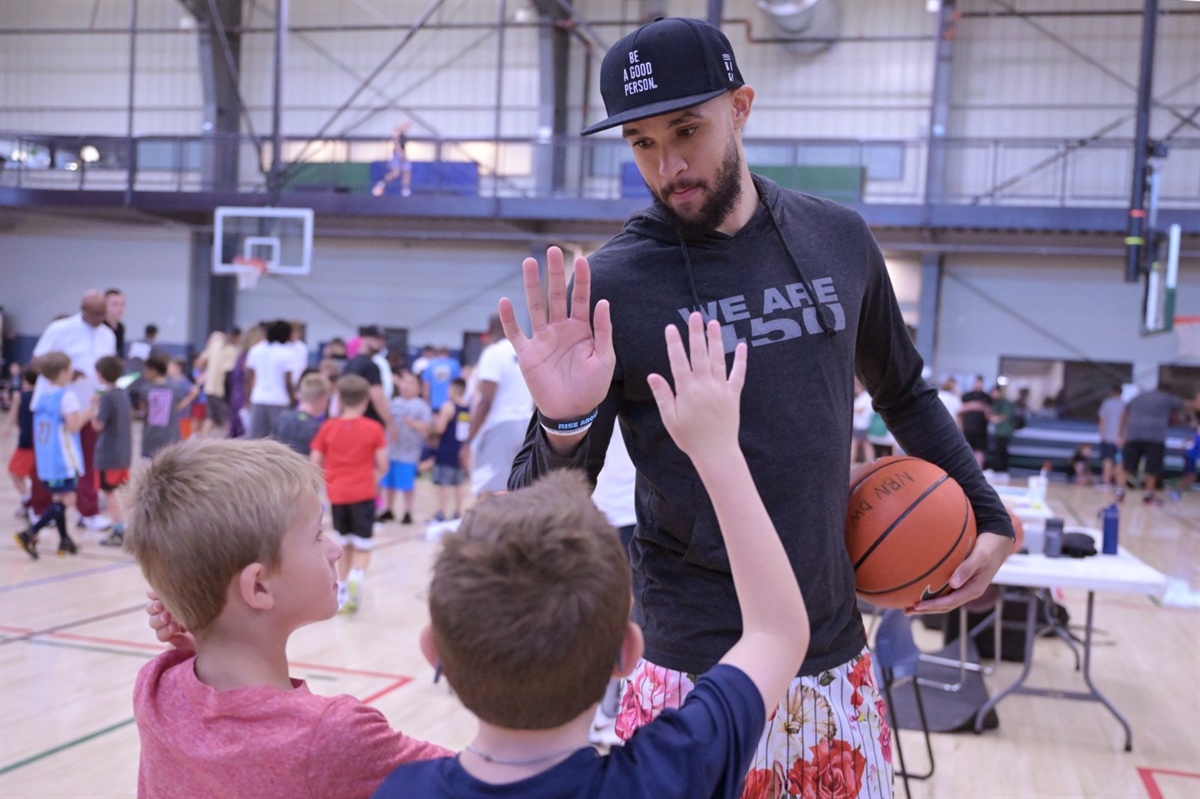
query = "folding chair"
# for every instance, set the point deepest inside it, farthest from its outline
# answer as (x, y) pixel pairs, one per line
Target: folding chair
(896, 658)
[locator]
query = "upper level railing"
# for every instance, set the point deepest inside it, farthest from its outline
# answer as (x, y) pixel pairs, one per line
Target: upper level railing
(987, 172)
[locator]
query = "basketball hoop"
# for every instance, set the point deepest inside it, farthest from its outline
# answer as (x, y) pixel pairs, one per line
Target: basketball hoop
(1187, 329)
(249, 270)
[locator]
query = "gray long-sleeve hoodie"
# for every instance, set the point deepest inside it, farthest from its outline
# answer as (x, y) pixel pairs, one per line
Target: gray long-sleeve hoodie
(760, 283)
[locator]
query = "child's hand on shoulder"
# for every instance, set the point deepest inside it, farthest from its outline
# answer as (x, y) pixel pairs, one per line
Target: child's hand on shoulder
(166, 629)
(702, 413)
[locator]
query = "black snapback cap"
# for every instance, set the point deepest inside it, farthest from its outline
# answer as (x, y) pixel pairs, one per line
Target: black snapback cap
(663, 66)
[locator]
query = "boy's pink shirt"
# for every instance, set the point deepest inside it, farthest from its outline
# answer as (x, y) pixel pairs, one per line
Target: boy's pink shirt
(259, 742)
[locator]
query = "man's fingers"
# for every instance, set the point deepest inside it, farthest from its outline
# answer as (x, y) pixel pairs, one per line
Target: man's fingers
(534, 300)
(556, 285)
(602, 332)
(581, 294)
(512, 330)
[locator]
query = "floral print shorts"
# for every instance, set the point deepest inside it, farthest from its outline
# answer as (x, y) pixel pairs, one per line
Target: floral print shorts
(827, 739)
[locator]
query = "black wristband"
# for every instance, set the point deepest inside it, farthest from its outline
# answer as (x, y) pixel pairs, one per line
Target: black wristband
(566, 427)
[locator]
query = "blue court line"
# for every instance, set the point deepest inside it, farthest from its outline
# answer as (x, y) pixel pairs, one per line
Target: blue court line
(58, 578)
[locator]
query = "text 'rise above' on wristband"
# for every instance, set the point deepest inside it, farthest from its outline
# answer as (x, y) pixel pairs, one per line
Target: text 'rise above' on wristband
(566, 427)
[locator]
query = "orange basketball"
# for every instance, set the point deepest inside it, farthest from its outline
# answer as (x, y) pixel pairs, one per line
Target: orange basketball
(908, 527)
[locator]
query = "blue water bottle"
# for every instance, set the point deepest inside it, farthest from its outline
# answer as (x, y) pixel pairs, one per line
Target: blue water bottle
(1111, 517)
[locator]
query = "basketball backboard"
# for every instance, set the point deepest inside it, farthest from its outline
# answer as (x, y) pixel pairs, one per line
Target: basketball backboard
(280, 237)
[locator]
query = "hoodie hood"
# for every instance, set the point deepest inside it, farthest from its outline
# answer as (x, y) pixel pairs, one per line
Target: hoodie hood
(655, 223)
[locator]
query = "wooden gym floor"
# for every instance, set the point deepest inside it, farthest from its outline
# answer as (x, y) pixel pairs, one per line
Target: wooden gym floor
(73, 635)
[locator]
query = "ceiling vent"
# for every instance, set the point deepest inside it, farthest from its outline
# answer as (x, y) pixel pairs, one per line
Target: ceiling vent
(805, 21)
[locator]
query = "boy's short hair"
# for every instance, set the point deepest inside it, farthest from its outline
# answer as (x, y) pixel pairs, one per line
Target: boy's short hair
(459, 383)
(156, 363)
(353, 390)
(53, 364)
(204, 509)
(29, 374)
(529, 604)
(110, 368)
(314, 386)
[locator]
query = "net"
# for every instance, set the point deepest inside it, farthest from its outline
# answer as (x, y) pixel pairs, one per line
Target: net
(1187, 330)
(249, 270)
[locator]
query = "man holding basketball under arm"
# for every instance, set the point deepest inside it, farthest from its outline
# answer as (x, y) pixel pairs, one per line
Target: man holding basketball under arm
(802, 282)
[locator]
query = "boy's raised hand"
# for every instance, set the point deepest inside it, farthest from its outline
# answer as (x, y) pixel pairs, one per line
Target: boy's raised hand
(702, 413)
(567, 364)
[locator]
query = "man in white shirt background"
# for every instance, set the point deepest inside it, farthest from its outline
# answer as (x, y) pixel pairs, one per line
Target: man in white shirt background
(499, 414)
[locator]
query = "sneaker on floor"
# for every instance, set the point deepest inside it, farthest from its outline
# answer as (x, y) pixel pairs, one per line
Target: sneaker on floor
(67, 547)
(407, 518)
(97, 522)
(26, 542)
(386, 516)
(437, 517)
(1151, 499)
(114, 540)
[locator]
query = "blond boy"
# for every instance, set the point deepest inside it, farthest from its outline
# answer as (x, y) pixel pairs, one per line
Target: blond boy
(228, 533)
(298, 427)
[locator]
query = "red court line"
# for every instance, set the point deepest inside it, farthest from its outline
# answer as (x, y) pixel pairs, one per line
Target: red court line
(1151, 785)
(400, 683)
(96, 639)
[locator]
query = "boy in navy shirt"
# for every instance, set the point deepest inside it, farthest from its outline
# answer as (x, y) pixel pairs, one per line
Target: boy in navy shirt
(529, 608)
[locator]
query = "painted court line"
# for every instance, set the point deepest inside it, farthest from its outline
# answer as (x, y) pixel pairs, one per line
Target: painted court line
(58, 578)
(65, 746)
(50, 630)
(1151, 785)
(117, 646)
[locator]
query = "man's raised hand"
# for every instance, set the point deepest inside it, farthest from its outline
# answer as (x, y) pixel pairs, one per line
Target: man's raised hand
(567, 366)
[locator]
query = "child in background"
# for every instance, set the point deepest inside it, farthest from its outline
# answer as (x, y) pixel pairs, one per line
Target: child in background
(413, 419)
(177, 371)
(451, 427)
(228, 534)
(166, 401)
(1080, 465)
(113, 420)
(352, 450)
(57, 420)
(296, 428)
(532, 671)
(21, 466)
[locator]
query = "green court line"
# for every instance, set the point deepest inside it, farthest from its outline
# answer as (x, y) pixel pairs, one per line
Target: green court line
(63, 747)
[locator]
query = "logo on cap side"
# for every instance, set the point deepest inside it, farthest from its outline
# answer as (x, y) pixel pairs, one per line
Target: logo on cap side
(727, 59)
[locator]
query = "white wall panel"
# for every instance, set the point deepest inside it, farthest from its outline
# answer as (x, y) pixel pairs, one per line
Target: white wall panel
(1069, 308)
(436, 291)
(47, 263)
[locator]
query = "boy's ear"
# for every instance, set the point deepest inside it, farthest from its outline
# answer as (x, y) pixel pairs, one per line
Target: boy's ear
(632, 648)
(253, 589)
(428, 648)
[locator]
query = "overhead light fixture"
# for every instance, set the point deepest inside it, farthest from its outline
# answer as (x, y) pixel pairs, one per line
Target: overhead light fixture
(933, 6)
(89, 154)
(72, 166)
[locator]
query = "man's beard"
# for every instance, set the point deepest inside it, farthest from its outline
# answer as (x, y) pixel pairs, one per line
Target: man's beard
(717, 205)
